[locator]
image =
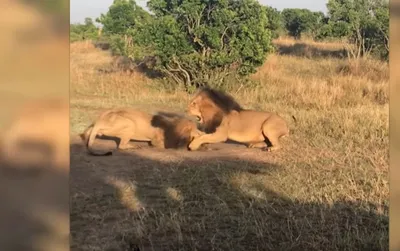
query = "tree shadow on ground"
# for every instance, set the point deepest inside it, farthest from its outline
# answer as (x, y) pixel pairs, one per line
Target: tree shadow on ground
(152, 199)
(310, 51)
(34, 212)
(102, 45)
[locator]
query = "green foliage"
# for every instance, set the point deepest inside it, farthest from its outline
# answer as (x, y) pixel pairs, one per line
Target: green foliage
(364, 22)
(300, 22)
(86, 31)
(213, 42)
(380, 28)
(275, 22)
(122, 17)
(199, 42)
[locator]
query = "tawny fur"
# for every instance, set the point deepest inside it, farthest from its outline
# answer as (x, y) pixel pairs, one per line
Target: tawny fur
(223, 118)
(178, 131)
(131, 124)
(40, 122)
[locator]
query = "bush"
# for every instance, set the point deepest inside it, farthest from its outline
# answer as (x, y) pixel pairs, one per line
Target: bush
(299, 22)
(199, 43)
(365, 23)
(275, 22)
(86, 31)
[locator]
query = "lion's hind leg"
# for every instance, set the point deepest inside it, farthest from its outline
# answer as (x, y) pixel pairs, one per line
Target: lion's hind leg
(125, 144)
(273, 141)
(273, 129)
(126, 134)
(158, 140)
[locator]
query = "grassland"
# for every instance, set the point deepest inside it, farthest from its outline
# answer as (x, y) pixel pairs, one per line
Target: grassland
(326, 190)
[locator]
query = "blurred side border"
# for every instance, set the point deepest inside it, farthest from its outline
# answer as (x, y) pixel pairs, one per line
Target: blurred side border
(394, 61)
(34, 125)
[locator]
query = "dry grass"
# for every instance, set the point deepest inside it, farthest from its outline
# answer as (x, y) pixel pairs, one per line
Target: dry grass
(327, 190)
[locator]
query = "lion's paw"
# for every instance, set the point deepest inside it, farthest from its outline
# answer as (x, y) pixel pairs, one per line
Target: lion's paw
(193, 147)
(270, 149)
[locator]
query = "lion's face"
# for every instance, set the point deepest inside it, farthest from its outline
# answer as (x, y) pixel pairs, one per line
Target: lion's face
(207, 113)
(194, 109)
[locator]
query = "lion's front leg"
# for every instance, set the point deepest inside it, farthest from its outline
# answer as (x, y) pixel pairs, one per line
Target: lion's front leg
(195, 134)
(216, 137)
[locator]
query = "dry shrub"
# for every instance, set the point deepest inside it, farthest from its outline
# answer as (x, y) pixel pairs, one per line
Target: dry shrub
(309, 48)
(318, 83)
(82, 47)
(368, 68)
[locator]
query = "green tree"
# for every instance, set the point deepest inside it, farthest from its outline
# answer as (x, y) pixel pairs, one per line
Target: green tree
(275, 22)
(199, 42)
(120, 23)
(86, 31)
(122, 17)
(364, 22)
(300, 22)
(380, 38)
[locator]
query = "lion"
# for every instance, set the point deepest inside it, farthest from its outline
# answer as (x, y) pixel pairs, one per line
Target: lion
(39, 124)
(161, 130)
(223, 118)
(177, 130)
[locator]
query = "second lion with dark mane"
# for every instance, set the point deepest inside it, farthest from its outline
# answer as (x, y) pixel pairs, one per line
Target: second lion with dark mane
(223, 118)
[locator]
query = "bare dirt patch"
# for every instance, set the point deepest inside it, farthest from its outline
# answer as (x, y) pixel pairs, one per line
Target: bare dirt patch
(209, 200)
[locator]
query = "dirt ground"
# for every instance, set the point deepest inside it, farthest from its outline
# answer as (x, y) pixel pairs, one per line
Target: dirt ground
(215, 199)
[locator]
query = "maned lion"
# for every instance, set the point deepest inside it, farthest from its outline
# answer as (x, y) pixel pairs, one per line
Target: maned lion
(223, 118)
(131, 124)
(177, 130)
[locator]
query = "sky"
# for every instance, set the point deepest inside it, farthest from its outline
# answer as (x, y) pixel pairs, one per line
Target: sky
(80, 9)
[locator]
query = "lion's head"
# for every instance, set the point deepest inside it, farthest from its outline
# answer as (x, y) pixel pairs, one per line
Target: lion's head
(210, 106)
(178, 131)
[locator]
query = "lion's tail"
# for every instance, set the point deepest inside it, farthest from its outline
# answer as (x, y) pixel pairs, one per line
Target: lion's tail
(85, 135)
(291, 130)
(92, 136)
(294, 119)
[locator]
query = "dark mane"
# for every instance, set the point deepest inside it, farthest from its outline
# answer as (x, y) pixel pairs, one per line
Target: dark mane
(223, 100)
(167, 122)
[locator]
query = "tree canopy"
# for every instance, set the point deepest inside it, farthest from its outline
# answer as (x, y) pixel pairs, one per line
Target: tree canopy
(87, 30)
(195, 41)
(364, 22)
(299, 22)
(122, 17)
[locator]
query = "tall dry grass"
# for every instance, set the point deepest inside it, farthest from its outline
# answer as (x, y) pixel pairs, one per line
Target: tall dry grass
(337, 151)
(339, 103)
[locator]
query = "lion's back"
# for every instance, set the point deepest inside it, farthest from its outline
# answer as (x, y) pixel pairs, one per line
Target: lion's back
(254, 120)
